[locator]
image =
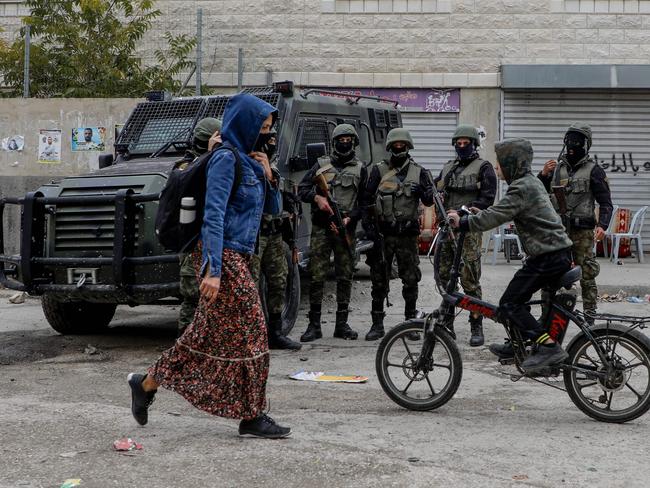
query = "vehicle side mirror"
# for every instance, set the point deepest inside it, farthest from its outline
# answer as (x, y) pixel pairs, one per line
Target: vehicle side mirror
(314, 151)
(105, 160)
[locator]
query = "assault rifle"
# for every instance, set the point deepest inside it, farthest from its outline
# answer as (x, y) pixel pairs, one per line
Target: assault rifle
(559, 190)
(379, 251)
(337, 217)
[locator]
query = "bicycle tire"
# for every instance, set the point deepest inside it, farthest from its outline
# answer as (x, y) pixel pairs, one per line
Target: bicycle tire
(444, 340)
(578, 349)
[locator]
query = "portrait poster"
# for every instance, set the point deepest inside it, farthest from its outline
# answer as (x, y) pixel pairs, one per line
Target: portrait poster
(13, 143)
(49, 146)
(88, 139)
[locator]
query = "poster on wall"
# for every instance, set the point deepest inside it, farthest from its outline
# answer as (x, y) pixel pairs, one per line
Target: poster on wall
(13, 143)
(88, 139)
(49, 146)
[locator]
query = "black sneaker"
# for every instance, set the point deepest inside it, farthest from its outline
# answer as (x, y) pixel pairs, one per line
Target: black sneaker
(544, 356)
(140, 400)
(503, 351)
(263, 426)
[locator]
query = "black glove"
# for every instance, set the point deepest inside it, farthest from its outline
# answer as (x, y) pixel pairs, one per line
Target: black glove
(417, 190)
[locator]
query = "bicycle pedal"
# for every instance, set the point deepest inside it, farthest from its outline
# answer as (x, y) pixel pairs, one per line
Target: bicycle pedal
(506, 361)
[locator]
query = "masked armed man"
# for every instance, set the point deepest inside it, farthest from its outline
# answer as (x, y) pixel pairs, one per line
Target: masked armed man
(347, 178)
(270, 259)
(396, 187)
(471, 181)
(583, 182)
(205, 138)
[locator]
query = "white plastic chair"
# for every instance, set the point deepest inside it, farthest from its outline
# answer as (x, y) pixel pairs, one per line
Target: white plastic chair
(608, 232)
(633, 235)
(500, 238)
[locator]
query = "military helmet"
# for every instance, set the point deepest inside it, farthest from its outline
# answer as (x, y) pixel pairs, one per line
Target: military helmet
(399, 134)
(346, 130)
(465, 130)
(206, 128)
(580, 128)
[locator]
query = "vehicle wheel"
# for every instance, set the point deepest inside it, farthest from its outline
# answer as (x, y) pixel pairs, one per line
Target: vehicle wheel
(418, 390)
(77, 317)
(624, 394)
(291, 294)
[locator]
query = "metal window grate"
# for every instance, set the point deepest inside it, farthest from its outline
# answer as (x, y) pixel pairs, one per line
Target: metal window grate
(393, 119)
(215, 106)
(152, 124)
(312, 131)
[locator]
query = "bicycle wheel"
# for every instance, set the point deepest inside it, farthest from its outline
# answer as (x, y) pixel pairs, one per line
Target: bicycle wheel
(624, 393)
(395, 362)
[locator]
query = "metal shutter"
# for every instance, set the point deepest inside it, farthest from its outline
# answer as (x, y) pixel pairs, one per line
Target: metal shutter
(431, 134)
(620, 121)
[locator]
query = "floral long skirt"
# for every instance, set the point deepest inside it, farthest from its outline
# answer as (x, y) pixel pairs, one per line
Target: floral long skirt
(221, 363)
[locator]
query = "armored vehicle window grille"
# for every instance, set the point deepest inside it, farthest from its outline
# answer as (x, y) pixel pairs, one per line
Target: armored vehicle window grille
(258, 90)
(88, 228)
(312, 131)
(393, 119)
(215, 106)
(152, 124)
(380, 118)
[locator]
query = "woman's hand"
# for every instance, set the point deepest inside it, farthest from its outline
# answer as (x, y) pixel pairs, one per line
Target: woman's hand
(263, 159)
(209, 287)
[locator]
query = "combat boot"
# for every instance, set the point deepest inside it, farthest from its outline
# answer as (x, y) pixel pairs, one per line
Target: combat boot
(313, 331)
(377, 329)
(476, 328)
(276, 339)
(342, 330)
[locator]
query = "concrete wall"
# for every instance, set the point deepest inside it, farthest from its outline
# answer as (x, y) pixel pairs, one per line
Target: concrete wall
(481, 106)
(21, 172)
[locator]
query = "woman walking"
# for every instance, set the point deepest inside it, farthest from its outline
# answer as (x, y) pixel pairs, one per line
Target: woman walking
(221, 363)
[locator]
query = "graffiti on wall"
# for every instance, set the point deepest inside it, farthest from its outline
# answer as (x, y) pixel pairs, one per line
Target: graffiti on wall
(623, 163)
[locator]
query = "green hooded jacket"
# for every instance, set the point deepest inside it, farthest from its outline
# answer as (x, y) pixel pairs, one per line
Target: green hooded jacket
(526, 203)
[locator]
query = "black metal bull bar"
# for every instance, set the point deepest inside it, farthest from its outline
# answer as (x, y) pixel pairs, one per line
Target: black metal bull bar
(31, 261)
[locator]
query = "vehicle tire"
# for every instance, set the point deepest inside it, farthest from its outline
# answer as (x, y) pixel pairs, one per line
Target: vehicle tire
(396, 355)
(625, 394)
(291, 294)
(77, 317)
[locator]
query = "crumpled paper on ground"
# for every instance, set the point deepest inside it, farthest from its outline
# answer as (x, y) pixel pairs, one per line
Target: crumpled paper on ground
(320, 376)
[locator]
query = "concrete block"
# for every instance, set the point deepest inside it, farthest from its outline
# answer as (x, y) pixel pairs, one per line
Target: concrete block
(631, 6)
(371, 6)
(11, 10)
(358, 79)
(411, 79)
(629, 21)
(483, 80)
(255, 78)
(616, 6)
(572, 6)
(601, 6)
(413, 6)
(295, 76)
(644, 7)
(342, 6)
(385, 6)
(624, 50)
(587, 6)
(456, 80)
(356, 6)
(327, 6)
(400, 6)
(558, 5)
(386, 80)
(601, 20)
(429, 6)
(220, 79)
(432, 80)
(444, 6)
(572, 50)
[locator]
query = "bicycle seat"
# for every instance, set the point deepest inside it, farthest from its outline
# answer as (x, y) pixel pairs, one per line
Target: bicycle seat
(570, 277)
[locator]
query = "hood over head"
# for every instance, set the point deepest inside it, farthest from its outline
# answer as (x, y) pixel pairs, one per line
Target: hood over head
(515, 157)
(243, 119)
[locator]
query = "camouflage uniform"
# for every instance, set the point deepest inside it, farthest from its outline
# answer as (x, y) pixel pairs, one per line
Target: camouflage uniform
(471, 181)
(584, 182)
(271, 260)
(395, 189)
(189, 286)
(346, 178)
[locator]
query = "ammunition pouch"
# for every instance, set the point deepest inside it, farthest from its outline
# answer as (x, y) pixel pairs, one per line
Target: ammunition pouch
(404, 227)
(271, 227)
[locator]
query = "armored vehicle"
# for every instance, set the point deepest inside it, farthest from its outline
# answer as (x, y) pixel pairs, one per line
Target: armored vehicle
(88, 243)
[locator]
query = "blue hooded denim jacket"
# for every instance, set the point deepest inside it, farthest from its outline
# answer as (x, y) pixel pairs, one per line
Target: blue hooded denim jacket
(233, 223)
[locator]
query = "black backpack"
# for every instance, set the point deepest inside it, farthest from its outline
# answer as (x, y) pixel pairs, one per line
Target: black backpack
(184, 182)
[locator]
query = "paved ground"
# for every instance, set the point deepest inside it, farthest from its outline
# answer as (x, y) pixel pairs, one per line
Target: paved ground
(61, 408)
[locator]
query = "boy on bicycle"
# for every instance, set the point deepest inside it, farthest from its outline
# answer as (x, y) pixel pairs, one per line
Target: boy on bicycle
(543, 237)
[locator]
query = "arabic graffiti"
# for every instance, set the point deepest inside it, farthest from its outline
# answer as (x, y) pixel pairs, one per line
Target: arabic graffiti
(622, 165)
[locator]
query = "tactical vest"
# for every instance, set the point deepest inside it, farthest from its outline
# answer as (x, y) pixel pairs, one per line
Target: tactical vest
(581, 208)
(461, 188)
(343, 183)
(395, 203)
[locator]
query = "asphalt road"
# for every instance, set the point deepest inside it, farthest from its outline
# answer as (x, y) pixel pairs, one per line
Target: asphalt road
(63, 403)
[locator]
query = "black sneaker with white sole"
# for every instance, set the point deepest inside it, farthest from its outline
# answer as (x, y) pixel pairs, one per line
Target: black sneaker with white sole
(263, 426)
(140, 400)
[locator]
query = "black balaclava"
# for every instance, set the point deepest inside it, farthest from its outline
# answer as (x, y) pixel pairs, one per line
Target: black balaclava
(576, 147)
(344, 151)
(398, 157)
(262, 141)
(466, 152)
